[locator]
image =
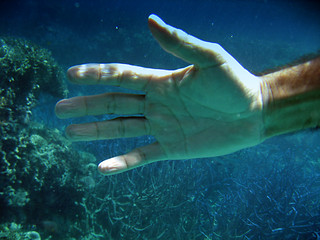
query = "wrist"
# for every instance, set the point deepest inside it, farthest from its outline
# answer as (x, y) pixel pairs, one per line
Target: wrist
(291, 99)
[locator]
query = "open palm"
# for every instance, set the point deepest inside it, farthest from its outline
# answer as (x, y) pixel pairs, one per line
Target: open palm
(210, 108)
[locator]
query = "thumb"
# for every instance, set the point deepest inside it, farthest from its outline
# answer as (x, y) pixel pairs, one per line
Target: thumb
(136, 158)
(185, 46)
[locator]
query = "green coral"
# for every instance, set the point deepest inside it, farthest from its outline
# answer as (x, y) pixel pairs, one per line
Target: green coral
(26, 68)
(14, 231)
(40, 170)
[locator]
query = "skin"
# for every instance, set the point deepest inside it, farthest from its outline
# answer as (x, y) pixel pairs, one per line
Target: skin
(212, 107)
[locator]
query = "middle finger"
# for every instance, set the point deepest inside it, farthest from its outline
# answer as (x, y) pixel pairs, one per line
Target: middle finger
(108, 103)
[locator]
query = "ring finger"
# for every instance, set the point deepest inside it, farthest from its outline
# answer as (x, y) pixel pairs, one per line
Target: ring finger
(110, 129)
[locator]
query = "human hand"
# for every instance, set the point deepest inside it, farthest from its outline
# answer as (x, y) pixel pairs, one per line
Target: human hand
(210, 108)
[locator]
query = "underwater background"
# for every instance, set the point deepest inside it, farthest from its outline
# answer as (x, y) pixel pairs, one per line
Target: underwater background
(50, 188)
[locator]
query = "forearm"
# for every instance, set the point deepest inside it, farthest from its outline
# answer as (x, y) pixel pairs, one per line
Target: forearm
(291, 99)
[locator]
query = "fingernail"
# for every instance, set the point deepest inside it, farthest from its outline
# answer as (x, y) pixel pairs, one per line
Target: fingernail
(80, 132)
(157, 19)
(81, 73)
(72, 73)
(112, 165)
(64, 108)
(102, 168)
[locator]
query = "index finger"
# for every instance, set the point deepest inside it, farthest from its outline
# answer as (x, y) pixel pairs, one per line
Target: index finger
(121, 75)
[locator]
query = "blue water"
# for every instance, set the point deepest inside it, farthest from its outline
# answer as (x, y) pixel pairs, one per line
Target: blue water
(271, 191)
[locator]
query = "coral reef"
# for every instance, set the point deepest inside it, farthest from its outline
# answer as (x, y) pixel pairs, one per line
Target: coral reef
(26, 70)
(39, 173)
(51, 190)
(38, 168)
